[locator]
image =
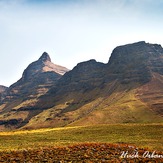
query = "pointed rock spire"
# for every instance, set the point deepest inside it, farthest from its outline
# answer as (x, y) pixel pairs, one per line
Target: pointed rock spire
(45, 57)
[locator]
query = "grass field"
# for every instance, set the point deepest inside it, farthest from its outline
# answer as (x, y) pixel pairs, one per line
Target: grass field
(92, 144)
(141, 135)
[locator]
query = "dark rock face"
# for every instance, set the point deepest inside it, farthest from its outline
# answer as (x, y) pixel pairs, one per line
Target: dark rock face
(134, 62)
(45, 57)
(86, 75)
(2, 88)
(10, 122)
(43, 64)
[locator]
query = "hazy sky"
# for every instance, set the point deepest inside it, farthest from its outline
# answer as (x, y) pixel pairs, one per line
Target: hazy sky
(72, 31)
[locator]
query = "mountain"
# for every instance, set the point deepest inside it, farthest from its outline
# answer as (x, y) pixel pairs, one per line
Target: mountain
(97, 93)
(36, 80)
(128, 89)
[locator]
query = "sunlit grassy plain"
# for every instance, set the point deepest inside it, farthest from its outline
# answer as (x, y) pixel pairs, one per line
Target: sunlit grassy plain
(141, 135)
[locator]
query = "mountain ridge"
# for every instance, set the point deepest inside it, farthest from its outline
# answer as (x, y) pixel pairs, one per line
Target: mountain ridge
(36, 80)
(94, 92)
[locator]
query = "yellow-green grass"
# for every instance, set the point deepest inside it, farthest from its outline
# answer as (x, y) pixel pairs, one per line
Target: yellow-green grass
(141, 135)
(119, 107)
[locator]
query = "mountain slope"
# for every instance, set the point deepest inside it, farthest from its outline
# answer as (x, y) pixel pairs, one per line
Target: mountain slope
(126, 89)
(97, 93)
(152, 93)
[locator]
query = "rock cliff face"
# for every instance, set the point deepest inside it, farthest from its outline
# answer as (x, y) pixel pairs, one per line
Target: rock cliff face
(127, 89)
(43, 64)
(2, 88)
(135, 62)
(84, 77)
(128, 64)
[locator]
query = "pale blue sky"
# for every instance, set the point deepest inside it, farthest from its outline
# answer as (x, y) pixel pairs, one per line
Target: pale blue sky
(72, 31)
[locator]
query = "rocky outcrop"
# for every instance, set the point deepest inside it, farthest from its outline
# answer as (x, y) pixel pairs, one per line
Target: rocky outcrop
(43, 64)
(84, 77)
(2, 88)
(134, 62)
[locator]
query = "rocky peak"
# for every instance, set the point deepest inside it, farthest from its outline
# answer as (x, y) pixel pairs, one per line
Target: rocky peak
(141, 51)
(45, 57)
(87, 67)
(37, 78)
(135, 62)
(43, 64)
(83, 77)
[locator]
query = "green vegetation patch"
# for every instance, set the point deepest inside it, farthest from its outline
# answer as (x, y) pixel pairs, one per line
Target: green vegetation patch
(141, 135)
